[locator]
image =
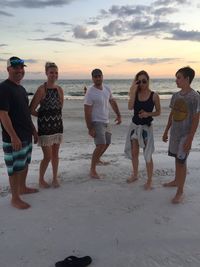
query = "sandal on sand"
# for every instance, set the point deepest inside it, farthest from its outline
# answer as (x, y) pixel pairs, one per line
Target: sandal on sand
(73, 261)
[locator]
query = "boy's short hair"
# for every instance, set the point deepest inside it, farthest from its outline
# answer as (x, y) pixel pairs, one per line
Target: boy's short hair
(187, 72)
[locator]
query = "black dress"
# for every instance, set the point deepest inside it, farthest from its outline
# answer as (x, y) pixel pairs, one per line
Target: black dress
(50, 125)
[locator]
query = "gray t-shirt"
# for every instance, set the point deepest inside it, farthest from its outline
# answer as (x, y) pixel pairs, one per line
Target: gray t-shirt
(184, 107)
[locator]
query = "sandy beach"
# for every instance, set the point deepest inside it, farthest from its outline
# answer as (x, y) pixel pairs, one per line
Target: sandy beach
(117, 224)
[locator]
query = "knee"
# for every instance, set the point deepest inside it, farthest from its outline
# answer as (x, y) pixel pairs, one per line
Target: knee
(103, 147)
(47, 158)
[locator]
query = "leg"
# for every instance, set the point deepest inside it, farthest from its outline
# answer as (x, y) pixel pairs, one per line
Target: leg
(181, 170)
(95, 158)
(16, 201)
(149, 166)
(172, 183)
(135, 161)
(100, 162)
(47, 151)
(55, 162)
(23, 189)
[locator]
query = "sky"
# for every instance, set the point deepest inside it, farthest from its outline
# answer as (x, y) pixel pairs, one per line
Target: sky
(121, 37)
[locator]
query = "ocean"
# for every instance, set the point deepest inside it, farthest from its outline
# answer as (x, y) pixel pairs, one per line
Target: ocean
(73, 89)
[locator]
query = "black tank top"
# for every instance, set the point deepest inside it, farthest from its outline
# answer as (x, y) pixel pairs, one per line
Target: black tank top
(147, 106)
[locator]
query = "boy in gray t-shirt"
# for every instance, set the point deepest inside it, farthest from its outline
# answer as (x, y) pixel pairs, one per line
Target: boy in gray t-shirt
(183, 121)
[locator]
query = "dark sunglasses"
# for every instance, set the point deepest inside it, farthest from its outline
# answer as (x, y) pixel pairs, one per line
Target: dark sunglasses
(97, 76)
(141, 81)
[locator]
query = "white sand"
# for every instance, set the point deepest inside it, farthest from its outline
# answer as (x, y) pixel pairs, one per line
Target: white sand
(117, 224)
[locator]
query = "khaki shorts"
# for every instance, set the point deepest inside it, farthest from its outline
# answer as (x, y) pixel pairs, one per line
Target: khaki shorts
(102, 133)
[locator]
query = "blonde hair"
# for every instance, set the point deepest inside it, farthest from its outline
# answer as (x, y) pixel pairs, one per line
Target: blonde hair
(50, 65)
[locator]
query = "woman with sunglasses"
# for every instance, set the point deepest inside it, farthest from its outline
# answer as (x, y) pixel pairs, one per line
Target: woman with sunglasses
(49, 97)
(146, 105)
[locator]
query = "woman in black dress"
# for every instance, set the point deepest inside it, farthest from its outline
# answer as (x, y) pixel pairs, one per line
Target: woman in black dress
(49, 98)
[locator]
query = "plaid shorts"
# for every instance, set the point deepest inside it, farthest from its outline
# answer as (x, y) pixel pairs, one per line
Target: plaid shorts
(17, 160)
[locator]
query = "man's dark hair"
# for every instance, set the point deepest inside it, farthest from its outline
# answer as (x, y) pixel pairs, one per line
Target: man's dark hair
(187, 72)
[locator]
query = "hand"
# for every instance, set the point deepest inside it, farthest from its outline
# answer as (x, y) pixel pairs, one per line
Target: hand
(187, 146)
(92, 132)
(165, 137)
(16, 143)
(35, 137)
(133, 88)
(118, 120)
(143, 114)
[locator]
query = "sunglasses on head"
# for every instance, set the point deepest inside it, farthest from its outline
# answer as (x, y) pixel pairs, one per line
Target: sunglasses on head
(17, 62)
(141, 81)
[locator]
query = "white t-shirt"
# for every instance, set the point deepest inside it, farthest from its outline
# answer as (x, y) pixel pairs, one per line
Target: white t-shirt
(99, 100)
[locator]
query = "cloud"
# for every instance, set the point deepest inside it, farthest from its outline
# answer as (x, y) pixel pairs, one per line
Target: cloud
(2, 13)
(61, 23)
(151, 61)
(125, 22)
(184, 35)
(105, 44)
(81, 32)
(164, 11)
(36, 3)
(93, 22)
(170, 2)
(2, 45)
(31, 61)
(115, 27)
(53, 39)
(128, 10)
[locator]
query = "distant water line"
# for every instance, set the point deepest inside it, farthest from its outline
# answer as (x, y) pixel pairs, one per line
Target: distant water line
(73, 89)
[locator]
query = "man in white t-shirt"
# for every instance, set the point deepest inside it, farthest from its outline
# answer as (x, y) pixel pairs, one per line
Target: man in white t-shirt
(96, 106)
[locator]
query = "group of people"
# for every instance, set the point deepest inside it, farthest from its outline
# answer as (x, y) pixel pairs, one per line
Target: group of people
(18, 129)
(183, 122)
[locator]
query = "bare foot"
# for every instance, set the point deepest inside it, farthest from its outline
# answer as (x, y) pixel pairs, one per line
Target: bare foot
(94, 175)
(55, 184)
(103, 163)
(28, 190)
(177, 199)
(148, 186)
(131, 179)
(170, 184)
(43, 184)
(20, 204)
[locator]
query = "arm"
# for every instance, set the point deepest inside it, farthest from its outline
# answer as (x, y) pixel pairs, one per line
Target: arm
(156, 99)
(115, 108)
(34, 133)
(7, 124)
(168, 126)
(38, 96)
(194, 126)
(61, 95)
(88, 119)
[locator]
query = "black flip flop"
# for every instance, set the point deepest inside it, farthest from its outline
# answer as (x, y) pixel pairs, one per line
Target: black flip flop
(73, 261)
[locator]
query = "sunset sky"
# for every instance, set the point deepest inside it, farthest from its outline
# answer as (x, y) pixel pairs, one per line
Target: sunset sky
(121, 37)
